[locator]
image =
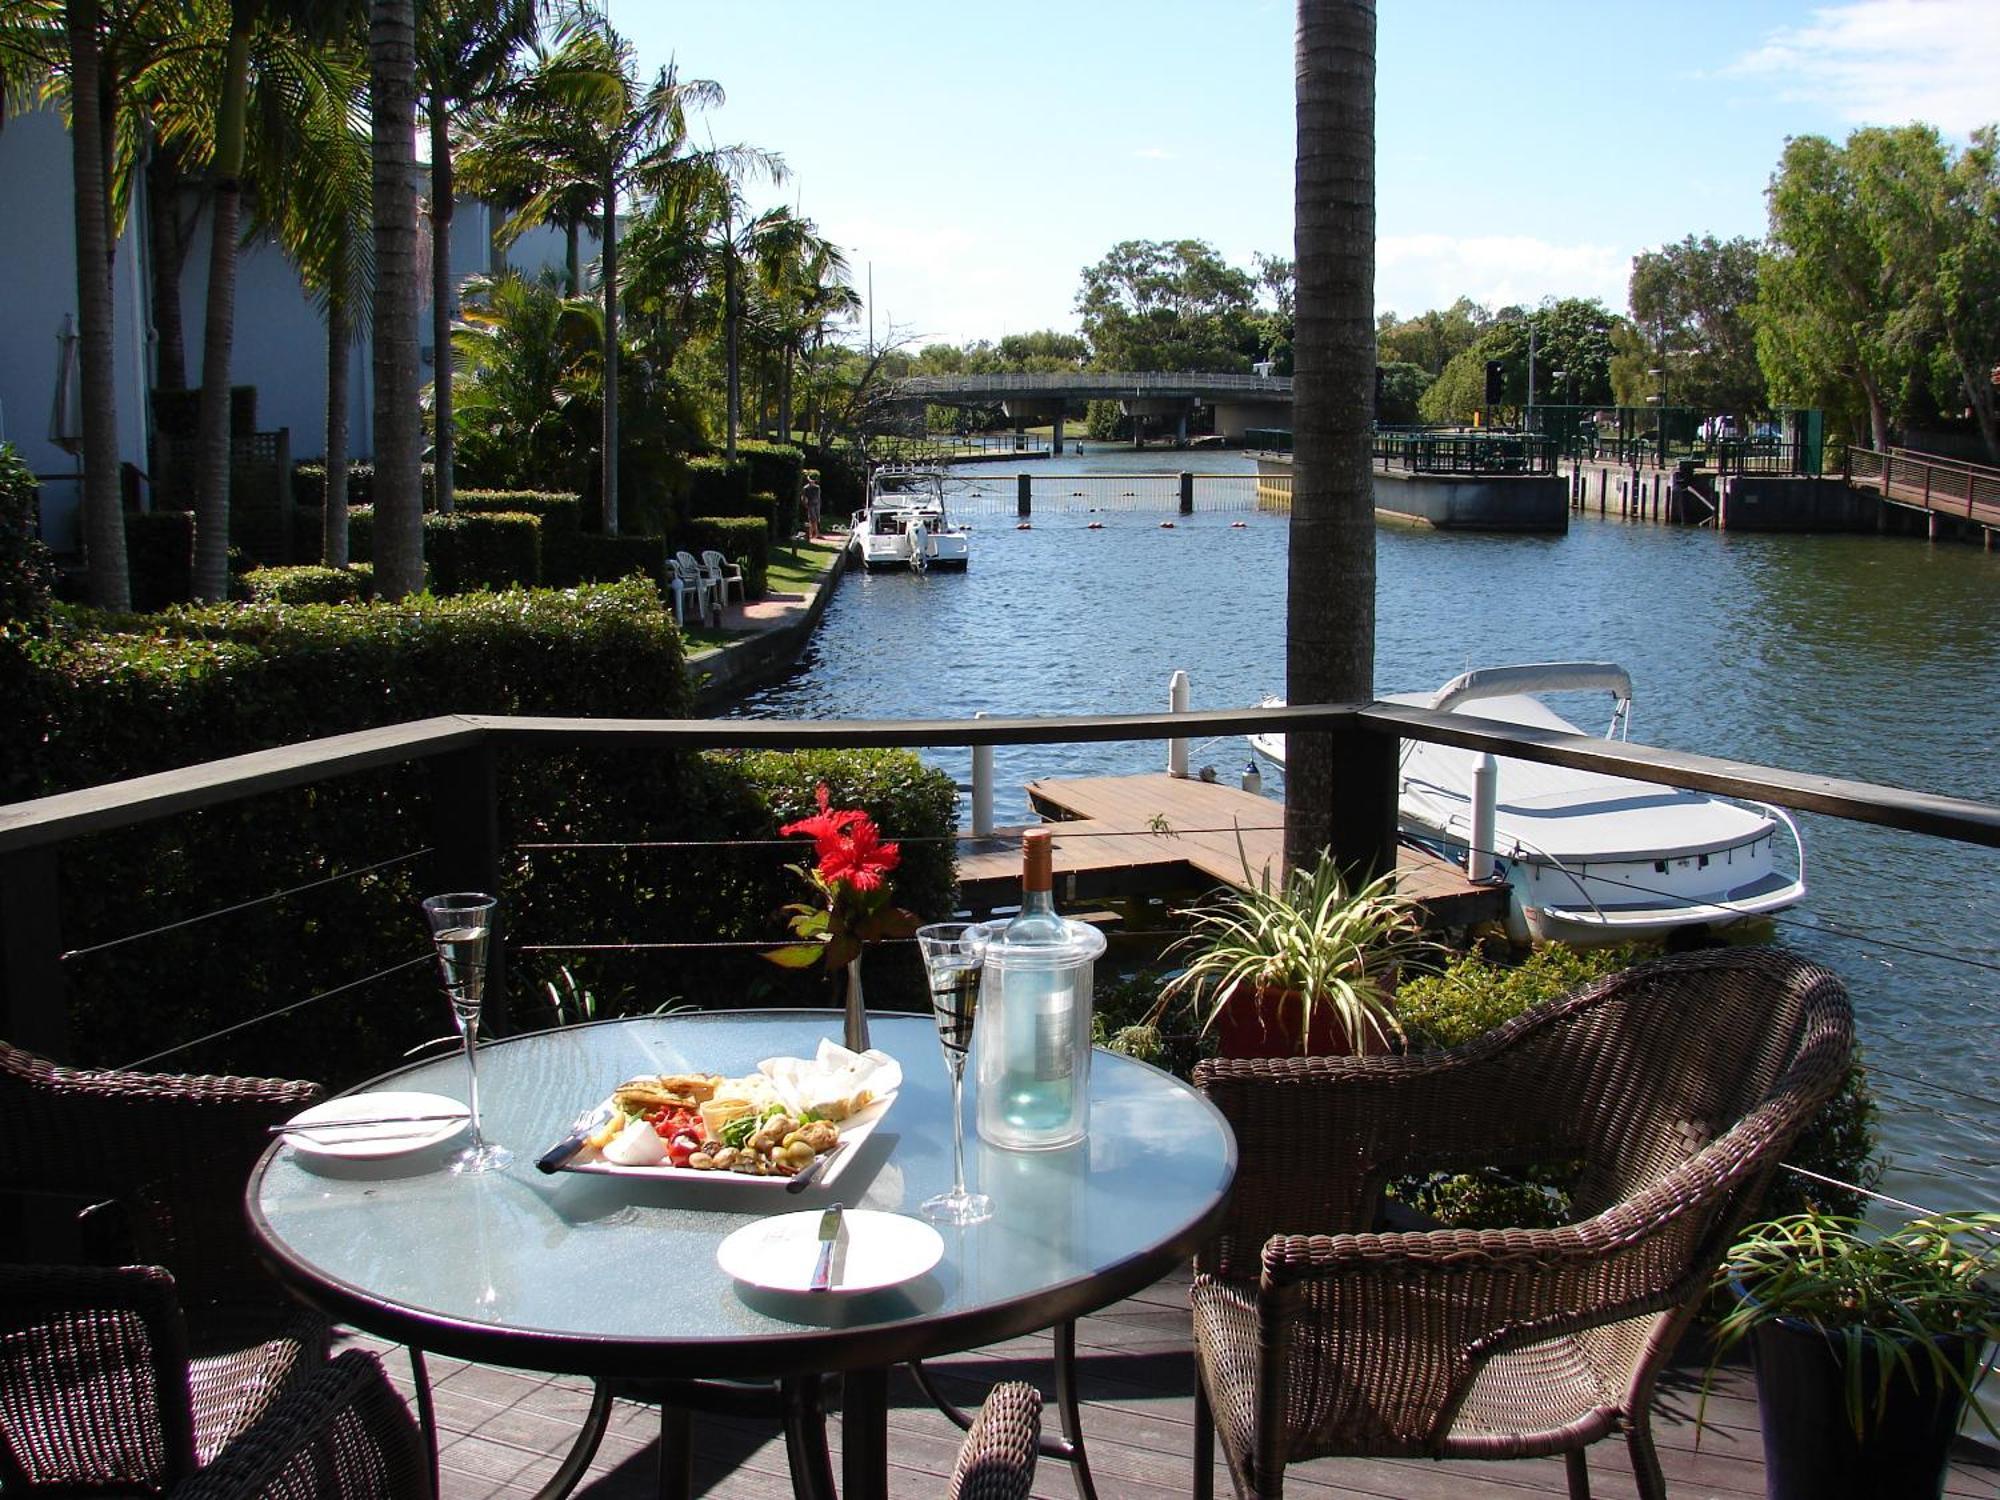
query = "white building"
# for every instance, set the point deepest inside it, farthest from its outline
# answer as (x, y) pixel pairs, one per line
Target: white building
(280, 343)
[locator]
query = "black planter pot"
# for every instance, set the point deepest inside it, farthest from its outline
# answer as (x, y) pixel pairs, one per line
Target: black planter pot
(1811, 1450)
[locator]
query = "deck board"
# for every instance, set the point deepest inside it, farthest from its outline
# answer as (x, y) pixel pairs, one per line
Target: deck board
(1121, 834)
(505, 1431)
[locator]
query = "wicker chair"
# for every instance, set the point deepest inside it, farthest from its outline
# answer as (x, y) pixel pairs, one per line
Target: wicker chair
(173, 1152)
(997, 1461)
(342, 1435)
(1677, 1085)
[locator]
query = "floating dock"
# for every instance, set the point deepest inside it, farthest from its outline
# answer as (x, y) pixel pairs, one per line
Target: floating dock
(1138, 835)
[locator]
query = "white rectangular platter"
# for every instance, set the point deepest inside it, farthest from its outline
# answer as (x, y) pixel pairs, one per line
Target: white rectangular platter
(854, 1133)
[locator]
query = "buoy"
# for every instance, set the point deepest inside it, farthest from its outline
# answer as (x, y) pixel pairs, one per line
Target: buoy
(1077, 494)
(1238, 525)
(1024, 526)
(1095, 526)
(1166, 525)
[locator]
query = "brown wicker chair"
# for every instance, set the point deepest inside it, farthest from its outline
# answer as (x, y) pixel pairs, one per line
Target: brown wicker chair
(173, 1151)
(98, 1390)
(1678, 1085)
(342, 1435)
(997, 1461)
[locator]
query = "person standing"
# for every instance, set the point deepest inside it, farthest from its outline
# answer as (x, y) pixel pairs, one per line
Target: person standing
(811, 496)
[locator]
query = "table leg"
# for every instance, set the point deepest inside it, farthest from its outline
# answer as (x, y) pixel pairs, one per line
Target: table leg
(805, 1440)
(581, 1451)
(676, 1453)
(1069, 1447)
(864, 1434)
(420, 1376)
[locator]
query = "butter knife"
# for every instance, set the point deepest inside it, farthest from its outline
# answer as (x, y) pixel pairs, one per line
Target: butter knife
(587, 1124)
(831, 1228)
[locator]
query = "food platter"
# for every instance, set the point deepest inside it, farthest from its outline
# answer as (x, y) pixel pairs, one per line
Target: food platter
(854, 1132)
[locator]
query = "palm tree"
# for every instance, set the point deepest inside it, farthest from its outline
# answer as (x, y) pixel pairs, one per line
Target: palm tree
(578, 124)
(1330, 619)
(465, 49)
(803, 277)
(399, 516)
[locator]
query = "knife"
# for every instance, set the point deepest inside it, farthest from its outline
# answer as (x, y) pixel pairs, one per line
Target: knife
(292, 1127)
(587, 1124)
(812, 1171)
(831, 1227)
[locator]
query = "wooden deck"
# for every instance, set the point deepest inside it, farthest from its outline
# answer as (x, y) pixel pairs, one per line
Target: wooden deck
(1124, 835)
(504, 1432)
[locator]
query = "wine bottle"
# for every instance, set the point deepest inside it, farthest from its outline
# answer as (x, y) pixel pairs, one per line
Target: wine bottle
(1041, 1000)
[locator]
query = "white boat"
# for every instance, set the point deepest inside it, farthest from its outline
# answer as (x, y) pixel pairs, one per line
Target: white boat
(903, 523)
(1589, 858)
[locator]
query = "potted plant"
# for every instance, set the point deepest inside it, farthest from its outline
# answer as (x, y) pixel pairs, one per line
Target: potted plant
(1867, 1345)
(1308, 968)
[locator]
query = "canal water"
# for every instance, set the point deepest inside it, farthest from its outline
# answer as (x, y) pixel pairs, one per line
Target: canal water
(1852, 656)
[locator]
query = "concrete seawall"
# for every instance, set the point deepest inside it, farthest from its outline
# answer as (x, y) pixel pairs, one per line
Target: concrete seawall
(1474, 502)
(723, 673)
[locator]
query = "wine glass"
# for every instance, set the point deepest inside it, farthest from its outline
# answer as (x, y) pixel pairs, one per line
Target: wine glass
(460, 924)
(951, 964)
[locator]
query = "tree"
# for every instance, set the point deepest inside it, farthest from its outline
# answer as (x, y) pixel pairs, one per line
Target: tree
(1402, 387)
(1826, 302)
(1168, 305)
(1695, 298)
(1572, 335)
(803, 278)
(1330, 588)
(1431, 339)
(463, 55)
(399, 515)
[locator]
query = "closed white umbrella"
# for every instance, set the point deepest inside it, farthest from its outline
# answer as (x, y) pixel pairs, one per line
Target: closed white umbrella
(66, 414)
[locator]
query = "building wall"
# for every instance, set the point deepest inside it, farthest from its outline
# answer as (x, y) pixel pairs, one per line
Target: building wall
(280, 337)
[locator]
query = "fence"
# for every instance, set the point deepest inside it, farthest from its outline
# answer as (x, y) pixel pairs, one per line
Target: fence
(1466, 452)
(999, 496)
(1943, 485)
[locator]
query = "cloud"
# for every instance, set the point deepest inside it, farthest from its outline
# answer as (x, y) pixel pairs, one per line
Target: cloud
(1154, 153)
(1417, 271)
(1886, 62)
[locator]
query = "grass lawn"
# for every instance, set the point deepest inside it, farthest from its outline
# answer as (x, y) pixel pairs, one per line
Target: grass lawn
(793, 568)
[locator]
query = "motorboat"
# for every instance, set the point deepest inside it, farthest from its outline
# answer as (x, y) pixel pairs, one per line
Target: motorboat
(1588, 858)
(903, 523)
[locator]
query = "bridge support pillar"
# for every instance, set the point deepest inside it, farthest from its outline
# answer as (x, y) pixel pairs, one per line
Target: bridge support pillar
(1056, 446)
(1024, 496)
(1180, 429)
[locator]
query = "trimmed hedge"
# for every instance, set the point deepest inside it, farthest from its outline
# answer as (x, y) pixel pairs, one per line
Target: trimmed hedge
(559, 511)
(776, 469)
(742, 539)
(589, 558)
(309, 483)
(479, 550)
(142, 696)
(310, 584)
(842, 483)
(716, 487)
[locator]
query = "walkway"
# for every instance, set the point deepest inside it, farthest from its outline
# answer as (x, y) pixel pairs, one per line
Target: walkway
(1923, 481)
(505, 1430)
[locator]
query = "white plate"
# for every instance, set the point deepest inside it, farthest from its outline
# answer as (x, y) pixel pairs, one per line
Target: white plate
(361, 1142)
(854, 1130)
(779, 1253)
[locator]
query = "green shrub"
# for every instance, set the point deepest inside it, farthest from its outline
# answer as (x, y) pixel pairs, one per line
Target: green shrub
(482, 550)
(1474, 994)
(309, 483)
(559, 512)
(775, 469)
(741, 539)
(717, 487)
(781, 514)
(842, 482)
(310, 584)
(589, 558)
(27, 573)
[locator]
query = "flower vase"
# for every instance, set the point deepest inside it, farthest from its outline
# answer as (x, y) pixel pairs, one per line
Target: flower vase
(857, 1009)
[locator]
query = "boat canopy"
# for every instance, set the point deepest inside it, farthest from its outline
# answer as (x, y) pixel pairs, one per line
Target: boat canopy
(1534, 677)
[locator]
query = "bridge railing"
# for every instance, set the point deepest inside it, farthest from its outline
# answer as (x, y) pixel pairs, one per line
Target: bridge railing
(1104, 384)
(1466, 452)
(1947, 485)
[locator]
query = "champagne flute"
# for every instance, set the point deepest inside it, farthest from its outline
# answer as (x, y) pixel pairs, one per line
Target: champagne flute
(951, 964)
(460, 924)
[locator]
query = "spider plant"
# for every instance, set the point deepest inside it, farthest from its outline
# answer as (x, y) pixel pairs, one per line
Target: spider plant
(1310, 942)
(1922, 1295)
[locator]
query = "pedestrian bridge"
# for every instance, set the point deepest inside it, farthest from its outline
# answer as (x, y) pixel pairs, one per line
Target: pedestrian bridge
(1240, 401)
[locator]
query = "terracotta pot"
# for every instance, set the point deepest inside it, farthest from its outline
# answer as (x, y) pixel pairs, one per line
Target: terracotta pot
(1264, 1022)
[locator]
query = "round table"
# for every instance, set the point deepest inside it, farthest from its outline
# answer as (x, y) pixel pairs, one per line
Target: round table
(608, 1276)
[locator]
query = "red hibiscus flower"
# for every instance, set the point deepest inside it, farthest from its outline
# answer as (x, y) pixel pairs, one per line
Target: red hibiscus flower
(851, 880)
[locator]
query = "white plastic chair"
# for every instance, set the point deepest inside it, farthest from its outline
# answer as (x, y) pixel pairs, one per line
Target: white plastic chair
(722, 575)
(688, 580)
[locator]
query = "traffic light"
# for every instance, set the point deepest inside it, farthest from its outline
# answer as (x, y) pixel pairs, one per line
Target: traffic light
(1495, 376)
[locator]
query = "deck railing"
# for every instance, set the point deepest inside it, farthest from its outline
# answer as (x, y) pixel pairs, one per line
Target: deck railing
(460, 755)
(1944, 485)
(1480, 453)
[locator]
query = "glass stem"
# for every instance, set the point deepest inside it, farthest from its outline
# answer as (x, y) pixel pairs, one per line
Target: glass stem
(958, 1129)
(469, 1026)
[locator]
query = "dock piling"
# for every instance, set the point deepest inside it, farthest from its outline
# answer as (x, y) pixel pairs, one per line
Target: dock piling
(1024, 491)
(1177, 703)
(982, 787)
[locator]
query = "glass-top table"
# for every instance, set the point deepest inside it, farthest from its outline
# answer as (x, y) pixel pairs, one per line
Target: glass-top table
(608, 1276)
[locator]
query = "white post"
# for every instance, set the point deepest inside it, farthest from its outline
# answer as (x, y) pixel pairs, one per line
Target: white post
(982, 788)
(1485, 795)
(1177, 703)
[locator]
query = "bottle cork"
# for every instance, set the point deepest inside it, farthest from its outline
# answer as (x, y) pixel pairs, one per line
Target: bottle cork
(1037, 860)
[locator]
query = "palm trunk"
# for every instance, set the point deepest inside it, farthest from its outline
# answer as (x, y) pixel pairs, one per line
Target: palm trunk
(399, 516)
(333, 519)
(211, 497)
(610, 349)
(729, 332)
(573, 256)
(785, 399)
(444, 446)
(103, 518)
(1330, 623)
(169, 256)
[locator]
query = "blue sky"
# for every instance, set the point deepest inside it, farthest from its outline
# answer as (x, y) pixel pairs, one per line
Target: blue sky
(976, 158)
